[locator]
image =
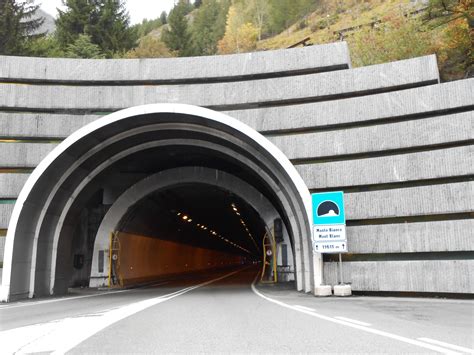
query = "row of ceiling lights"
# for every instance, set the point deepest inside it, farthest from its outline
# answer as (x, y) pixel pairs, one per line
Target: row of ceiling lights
(236, 211)
(187, 219)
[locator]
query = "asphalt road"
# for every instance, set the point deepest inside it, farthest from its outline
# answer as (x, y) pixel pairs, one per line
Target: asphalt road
(223, 312)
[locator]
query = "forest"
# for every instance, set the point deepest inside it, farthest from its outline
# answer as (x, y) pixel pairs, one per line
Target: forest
(377, 31)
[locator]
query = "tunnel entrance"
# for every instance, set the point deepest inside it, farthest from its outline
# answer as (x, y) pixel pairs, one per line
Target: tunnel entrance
(133, 171)
(185, 229)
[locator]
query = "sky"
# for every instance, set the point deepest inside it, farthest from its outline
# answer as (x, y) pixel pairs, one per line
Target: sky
(138, 9)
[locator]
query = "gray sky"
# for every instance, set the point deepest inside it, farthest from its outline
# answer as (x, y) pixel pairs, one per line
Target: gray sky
(138, 9)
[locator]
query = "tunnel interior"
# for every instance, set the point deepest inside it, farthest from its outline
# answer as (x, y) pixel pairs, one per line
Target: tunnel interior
(198, 215)
(188, 227)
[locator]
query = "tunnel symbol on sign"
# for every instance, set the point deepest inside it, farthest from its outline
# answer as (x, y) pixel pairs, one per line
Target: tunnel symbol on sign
(328, 209)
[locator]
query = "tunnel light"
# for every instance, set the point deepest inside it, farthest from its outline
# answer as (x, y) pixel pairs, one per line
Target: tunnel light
(178, 214)
(190, 220)
(185, 217)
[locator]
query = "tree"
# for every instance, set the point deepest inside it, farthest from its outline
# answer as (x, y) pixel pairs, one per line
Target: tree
(164, 18)
(197, 3)
(456, 53)
(84, 48)
(45, 46)
(106, 22)
(444, 11)
(177, 36)
(149, 47)
(79, 17)
(239, 37)
(112, 32)
(209, 26)
(397, 38)
(17, 25)
(259, 11)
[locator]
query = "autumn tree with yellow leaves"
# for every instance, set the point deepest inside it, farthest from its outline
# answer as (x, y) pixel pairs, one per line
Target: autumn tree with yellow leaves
(239, 36)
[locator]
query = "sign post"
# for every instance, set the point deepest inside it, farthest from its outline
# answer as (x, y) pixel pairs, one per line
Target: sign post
(329, 226)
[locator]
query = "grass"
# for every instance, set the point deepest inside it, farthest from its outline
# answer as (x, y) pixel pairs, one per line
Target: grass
(321, 24)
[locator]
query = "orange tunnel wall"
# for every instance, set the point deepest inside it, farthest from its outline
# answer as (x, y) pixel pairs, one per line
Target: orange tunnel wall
(145, 258)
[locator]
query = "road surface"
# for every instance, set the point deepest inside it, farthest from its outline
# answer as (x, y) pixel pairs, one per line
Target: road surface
(226, 312)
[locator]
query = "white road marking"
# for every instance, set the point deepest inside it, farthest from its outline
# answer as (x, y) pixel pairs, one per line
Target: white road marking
(447, 345)
(356, 326)
(354, 321)
(111, 292)
(304, 308)
(60, 336)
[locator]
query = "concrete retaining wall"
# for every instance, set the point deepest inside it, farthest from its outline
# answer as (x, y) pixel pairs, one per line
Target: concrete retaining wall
(397, 142)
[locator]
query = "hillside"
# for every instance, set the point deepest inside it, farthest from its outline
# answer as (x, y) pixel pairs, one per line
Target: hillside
(336, 18)
(377, 31)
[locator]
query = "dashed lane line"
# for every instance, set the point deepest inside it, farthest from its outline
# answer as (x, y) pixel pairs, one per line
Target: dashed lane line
(357, 326)
(304, 308)
(354, 321)
(447, 345)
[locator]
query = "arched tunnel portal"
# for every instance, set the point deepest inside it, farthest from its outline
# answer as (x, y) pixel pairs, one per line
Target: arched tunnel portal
(165, 176)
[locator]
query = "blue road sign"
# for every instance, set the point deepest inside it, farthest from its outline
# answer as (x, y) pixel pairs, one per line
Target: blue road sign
(328, 208)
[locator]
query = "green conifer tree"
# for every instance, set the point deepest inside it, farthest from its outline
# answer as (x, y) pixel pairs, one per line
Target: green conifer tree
(106, 22)
(209, 26)
(17, 26)
(177, 37)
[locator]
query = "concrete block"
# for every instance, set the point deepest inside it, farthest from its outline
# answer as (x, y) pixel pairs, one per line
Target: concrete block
(23, 155)
(448, 276)
(41, 125)
(420, 237)
(322, 290)
(412, 201)
(5, 214)
(383, 107)
(364, 140)
(342, 290)
(11, 184)
(436, 164)
(229, 67)
(222, 96)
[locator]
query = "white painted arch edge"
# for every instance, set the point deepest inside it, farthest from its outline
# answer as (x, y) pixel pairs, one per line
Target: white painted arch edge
(138, 111)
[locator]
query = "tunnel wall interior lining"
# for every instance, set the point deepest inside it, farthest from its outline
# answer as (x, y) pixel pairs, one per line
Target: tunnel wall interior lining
(395, 140)
(186, 175)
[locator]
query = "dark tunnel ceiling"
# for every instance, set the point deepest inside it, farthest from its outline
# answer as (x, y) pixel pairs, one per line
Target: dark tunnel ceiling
(157, 216)
(153, 160)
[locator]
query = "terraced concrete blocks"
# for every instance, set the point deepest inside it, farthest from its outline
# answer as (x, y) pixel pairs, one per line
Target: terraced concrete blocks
(224, 95)
(410, 103)
(443, 276)
(418, 237)
(5, 214)
(23, 155)
(391, 169)
(309, 59)
(365, 140)
(11, 185)
(411, 201)
(41, 125)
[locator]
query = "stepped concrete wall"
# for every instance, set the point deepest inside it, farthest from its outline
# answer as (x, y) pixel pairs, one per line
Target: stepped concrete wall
(399, 143)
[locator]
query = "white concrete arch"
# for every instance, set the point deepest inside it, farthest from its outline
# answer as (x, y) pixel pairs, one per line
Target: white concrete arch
(298, 243)
(35, 213)
(168, 179)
